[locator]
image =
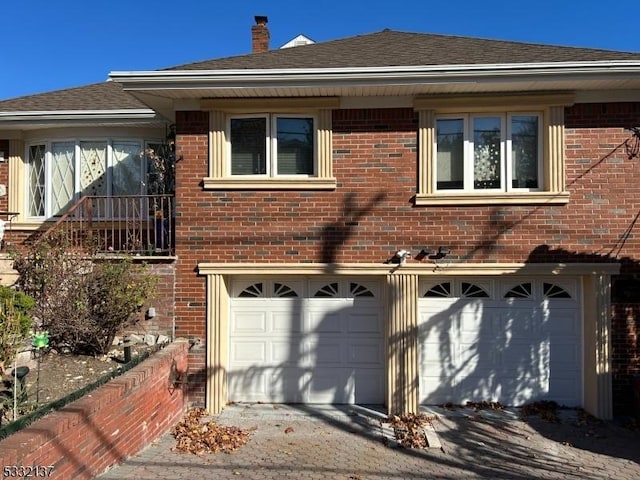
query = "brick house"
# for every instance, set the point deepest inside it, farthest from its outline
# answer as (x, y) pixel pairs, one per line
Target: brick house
(392, 218)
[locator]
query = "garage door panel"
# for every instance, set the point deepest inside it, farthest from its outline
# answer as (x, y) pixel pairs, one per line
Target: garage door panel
(328, 352)
(330, 386)
(436, 390)
(362, 352)
(286, 385)
(255, 381)
(519, 323)
(282, 353)
(565, 355)
(368, 386)
(523, 355)
(247, 322)
(284, 322)
(472, 318)
(364, 322)
(325, 322)
(563, 322)
(249, 352)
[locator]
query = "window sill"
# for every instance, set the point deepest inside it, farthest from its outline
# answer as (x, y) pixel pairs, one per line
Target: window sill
(525, 198)
(227, 183)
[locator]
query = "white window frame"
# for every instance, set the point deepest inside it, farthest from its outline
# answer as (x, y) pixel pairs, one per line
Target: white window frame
(48, 169)
(506, 153)
(552, 187)
(509, 152)
(271, 147)
(218, 176)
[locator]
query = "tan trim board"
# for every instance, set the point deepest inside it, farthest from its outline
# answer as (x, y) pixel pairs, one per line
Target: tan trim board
(497, 102)
(228, 183)
(525, 269)
(525, 198)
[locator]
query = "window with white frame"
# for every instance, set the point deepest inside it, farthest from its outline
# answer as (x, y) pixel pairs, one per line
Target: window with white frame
(492, 149)
(59, 172)
(272, 145)
(489, 152)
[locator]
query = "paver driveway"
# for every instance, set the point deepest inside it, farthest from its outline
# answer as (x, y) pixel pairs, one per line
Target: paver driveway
(330, 442)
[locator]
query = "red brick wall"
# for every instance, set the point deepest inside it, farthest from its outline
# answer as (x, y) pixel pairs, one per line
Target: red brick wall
(117, 420)
(162, 301)
(371, 213)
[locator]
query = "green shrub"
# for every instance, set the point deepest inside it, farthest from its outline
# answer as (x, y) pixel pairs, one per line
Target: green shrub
(15, 323)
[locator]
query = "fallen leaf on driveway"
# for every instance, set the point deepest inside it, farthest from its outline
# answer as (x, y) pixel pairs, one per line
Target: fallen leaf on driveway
(194, 436)
(288, 430)
(409, 431)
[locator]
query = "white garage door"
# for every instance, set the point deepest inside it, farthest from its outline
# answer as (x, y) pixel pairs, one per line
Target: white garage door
(306, 341)
(511, 341)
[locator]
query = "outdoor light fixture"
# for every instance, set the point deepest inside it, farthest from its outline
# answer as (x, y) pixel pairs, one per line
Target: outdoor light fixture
(433, 255)
(401, 256)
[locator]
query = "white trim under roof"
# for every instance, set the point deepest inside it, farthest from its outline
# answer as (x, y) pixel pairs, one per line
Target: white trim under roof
(380, 81)
(42, 118)
(424, 72)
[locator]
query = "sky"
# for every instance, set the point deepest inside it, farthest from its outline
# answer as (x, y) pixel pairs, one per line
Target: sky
(56, 44)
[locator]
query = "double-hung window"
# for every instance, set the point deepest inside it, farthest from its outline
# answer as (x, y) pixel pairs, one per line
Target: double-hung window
(489, 152)
(272, 145)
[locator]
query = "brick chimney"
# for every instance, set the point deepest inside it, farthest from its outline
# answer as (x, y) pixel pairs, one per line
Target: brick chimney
(260, 35)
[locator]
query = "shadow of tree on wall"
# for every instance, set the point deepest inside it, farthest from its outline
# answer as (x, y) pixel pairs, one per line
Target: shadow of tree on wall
(336, 234)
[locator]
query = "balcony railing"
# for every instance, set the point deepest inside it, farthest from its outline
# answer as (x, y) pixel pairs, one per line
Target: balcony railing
(132, 224)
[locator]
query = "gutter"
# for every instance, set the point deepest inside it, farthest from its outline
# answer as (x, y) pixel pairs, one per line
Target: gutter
(184, 79)
(59, 117)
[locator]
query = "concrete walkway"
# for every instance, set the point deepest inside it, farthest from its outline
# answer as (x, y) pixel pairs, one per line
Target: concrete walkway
(349, 443)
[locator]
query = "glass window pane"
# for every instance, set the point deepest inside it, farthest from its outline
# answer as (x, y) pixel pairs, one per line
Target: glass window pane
(295, 146)
(486, 152)
(36, 181)
(524, 151)
(93, 168)
(248, 146)
(62, 176)
(127, 169)
(450, 154)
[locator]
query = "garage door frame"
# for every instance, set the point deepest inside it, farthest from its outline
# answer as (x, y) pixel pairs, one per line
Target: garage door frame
(596, 281)
(509, 339)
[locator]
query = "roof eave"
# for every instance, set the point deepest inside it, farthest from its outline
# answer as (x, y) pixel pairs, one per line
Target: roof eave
(187, 79)
(50, 118)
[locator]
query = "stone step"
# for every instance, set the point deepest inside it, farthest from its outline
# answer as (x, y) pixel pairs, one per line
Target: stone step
(8, 275)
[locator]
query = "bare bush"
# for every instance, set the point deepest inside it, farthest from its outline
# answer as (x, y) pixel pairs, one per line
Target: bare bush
(82, 303)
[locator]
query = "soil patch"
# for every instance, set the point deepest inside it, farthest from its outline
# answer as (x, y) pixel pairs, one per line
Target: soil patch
(59, 375)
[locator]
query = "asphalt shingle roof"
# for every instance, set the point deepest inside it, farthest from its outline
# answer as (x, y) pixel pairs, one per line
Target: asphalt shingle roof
(382, 49)
(98, 96)
(392, 48)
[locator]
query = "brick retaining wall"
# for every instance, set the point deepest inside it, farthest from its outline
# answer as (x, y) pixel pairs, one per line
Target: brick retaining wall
(107, 425)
